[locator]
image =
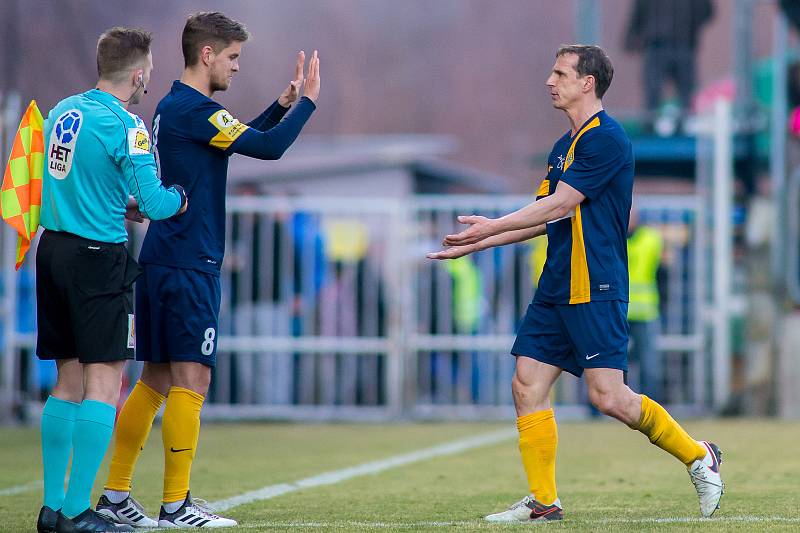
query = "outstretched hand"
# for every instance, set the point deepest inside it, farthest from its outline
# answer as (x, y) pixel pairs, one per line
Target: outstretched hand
(451, 253)
(311, 88)
(292, 92)
(479, 229)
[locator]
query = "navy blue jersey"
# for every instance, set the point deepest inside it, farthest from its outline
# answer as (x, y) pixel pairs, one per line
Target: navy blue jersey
(587, 257)
(193, 138)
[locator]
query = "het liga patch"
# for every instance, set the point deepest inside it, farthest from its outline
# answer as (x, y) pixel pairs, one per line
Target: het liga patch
(63, 138)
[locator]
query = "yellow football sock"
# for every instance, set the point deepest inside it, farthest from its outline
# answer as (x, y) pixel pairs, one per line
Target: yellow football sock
(180, 430)
(133, 427)
(667, 434)
(538, 440)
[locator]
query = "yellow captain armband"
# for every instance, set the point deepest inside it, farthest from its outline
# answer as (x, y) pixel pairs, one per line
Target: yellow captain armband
(229, 129)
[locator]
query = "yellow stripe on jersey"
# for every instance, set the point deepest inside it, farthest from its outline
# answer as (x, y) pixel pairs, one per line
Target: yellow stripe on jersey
(580, 290)
(544, 188)
(571, 152)
(229, 129)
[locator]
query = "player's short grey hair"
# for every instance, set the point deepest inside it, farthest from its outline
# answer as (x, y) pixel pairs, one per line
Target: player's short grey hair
(592, 60)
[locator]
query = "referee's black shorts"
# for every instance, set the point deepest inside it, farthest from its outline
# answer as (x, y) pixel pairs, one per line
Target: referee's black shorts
(84, 299)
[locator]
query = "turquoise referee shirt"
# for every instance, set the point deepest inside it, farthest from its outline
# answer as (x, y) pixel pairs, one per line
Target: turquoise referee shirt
(96, 154)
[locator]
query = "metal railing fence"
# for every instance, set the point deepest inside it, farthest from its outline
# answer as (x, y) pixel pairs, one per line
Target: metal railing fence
(330, 309)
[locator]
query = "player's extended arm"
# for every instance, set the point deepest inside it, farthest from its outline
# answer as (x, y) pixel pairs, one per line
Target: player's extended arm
(502, 239)
(271, 144)
(558, 205)
(269, 118)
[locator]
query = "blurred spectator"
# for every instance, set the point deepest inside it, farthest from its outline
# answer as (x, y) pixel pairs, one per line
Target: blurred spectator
(791, 8)
(645, 246)
(467, 313)
(667, 32)
(793, 96)
(467, 294)
(536, 258)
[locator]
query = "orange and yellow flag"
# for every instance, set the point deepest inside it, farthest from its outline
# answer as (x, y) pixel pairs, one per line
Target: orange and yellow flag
(21, 194)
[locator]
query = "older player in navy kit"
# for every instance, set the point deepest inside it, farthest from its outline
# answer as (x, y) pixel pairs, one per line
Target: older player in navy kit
(577, 320)
(178, 295)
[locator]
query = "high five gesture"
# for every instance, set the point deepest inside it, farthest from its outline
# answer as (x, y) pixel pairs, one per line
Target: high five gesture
(292, 92)
(311, 89)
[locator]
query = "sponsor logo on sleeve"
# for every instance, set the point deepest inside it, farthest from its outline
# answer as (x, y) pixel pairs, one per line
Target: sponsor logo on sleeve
(63, 138)
(138, 141)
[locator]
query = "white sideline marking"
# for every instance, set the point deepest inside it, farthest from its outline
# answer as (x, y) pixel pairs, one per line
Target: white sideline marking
(350, 525)
(335, 476)
(19, 489)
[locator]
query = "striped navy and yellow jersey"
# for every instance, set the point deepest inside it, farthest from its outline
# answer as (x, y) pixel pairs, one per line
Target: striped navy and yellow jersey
(193, 137)
(587, 258)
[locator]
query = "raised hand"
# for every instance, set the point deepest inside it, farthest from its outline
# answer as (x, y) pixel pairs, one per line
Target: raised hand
(311, 88)
(479, 229)
(292, 92)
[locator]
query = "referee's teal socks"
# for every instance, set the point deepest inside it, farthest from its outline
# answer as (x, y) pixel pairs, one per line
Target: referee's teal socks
(58, 421)
(94, 424)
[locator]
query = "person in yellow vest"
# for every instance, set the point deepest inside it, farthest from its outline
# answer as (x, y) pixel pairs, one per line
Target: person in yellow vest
(645, 246)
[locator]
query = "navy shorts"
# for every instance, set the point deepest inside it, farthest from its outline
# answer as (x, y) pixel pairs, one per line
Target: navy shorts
(575, 337)
(177, 315)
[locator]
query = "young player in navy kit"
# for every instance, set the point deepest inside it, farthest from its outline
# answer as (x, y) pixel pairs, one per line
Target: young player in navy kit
(577, 320)
(178, 295)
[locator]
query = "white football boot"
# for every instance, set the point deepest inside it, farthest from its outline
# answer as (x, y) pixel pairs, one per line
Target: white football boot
(529, 510)
(193, 513)
(707, 480)
(128, 511)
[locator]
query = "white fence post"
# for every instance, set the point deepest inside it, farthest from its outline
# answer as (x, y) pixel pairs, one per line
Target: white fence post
(722, 199)
(9, 115)
(398, 282)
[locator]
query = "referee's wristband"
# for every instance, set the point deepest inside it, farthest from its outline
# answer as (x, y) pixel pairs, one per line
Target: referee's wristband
(182, 194)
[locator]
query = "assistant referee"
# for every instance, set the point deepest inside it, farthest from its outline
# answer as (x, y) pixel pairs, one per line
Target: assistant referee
(97, 155)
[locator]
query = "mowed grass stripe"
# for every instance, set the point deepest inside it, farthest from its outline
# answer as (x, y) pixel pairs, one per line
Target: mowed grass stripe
(373, 467)
(349, 524)
(609, 478)
(21, 489)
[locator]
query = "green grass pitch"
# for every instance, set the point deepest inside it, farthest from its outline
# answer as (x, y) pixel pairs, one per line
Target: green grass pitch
(610, 478)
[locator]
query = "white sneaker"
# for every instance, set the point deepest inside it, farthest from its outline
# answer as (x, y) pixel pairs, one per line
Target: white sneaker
(193, 513)
(128, 511)
(528, 510)
(707, 480)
